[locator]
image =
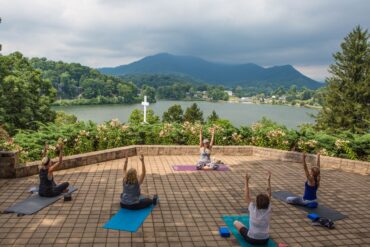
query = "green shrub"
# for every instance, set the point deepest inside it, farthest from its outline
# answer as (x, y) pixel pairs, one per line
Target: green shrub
(81, 137)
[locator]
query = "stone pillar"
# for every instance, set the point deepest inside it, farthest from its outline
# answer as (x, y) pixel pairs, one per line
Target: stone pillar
(8, 161)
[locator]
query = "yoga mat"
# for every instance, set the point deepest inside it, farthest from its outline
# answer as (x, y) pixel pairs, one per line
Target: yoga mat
(35, 203)
(229, 220)
(177, 168)
(321, 210)
(128, 220)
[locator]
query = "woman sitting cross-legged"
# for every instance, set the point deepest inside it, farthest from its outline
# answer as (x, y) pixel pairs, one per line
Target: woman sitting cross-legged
(205, 145)
(257, 233)
(48, 187)
(131, 197)
(311, 185)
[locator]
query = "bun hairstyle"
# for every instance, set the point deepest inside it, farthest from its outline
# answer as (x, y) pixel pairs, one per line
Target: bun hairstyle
(45, 161)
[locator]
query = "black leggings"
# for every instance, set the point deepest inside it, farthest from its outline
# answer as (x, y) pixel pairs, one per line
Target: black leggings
(143, 203)
(57, 190)
(244, 232)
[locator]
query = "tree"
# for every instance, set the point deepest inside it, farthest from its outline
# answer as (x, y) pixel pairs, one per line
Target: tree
(25, 98)
(346, 103)
(193, 114)
(137, 117)
(280, 91)
(173, 114)
(217, 94)
(127, 91)
(64, 118)
(213, 117)
(306, 94)
(149, 92)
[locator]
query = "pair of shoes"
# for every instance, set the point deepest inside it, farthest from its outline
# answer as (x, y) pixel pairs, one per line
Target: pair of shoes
(155, 199)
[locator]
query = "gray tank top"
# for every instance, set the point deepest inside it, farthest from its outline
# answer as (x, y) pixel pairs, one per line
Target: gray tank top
(205, 154)
(131, 194)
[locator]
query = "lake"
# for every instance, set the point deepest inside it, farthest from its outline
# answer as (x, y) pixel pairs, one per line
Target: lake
(238, 113)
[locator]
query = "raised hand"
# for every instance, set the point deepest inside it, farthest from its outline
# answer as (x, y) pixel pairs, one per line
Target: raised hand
(141, 157)
(247, 177)
(304, 157)
(269, 176)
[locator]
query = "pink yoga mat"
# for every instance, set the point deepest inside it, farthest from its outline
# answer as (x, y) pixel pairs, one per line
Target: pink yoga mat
(222, 168)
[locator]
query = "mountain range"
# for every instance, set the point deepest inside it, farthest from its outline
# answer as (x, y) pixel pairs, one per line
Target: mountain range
(229, 75)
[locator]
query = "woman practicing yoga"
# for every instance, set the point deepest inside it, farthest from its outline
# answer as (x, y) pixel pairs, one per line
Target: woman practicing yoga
(311, 186)
(131, 197)
(48, 187)
(205, 161)
(259, 215)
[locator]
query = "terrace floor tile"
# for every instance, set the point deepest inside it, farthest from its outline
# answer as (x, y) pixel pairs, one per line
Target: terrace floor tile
(190, 208)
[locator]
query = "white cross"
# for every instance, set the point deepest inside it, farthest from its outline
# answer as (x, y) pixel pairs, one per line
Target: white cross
(145, 104)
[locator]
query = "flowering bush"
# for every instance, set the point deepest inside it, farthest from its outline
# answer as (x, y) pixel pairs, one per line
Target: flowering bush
(81, 137)
(9, 145)
(269, 134)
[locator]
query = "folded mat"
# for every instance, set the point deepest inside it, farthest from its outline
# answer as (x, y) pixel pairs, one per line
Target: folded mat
(35, 203)
(128, 220)
(321, 210)
(229, 220)
(222, 168)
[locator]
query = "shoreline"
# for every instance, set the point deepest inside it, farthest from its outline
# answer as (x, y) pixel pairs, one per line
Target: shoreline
(192, 100)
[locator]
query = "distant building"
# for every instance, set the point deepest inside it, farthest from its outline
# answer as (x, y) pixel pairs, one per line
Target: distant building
(246, 99)
(282, 98)
(230, 93)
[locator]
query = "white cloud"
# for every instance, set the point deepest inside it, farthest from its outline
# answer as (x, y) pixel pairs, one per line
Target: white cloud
(112, 32)
(316, 72)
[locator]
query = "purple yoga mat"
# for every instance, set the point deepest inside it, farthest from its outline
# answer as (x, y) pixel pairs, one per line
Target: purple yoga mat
(222, 168)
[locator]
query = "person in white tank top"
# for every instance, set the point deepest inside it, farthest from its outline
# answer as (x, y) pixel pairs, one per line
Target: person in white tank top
(257, 233)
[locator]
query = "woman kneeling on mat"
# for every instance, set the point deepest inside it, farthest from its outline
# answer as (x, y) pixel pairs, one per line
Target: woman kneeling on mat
(205, 161)
(259, 216)
(131, 196)
(311, 186)
(48, 187)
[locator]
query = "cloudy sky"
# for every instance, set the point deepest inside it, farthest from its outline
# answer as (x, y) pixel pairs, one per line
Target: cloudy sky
(102, 33)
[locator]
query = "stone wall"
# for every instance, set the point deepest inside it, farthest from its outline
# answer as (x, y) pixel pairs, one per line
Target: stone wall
(9, 162)
(191, 150)
(77, 160)
(361, 167)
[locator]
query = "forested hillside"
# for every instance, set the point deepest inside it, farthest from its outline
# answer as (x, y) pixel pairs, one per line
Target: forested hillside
(73, 80)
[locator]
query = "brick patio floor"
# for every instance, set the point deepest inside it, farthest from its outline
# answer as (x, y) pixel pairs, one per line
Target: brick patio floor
(191, 205)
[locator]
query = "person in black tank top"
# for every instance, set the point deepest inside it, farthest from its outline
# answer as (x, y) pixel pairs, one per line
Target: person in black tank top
(48, 187)
(311, 186)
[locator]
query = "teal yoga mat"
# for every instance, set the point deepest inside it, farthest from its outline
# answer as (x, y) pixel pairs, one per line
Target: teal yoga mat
(229, 220)
(128, 220)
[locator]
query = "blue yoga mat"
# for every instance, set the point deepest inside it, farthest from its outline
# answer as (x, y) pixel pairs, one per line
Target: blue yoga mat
(229, 220)
(128, 220)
